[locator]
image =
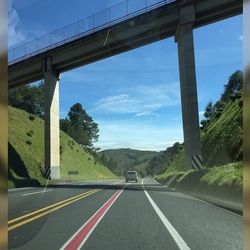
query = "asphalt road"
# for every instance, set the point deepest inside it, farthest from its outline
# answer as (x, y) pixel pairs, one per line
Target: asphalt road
(113, 215)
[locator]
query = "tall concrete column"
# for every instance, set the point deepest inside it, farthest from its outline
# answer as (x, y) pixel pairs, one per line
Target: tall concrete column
(52, 130)
(189, 101)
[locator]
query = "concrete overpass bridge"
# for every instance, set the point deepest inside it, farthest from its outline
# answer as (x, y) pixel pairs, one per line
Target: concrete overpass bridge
(121, 28)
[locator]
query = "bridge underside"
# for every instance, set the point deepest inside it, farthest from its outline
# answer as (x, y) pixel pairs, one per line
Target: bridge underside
(177, 19)
(138, 31)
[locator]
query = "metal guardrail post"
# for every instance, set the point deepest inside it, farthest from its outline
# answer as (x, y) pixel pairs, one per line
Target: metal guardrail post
(89, 28)
(25, 52)
(127, 6)
(109, 16)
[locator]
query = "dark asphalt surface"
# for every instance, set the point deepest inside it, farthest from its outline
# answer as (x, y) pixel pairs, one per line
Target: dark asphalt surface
(130, 223)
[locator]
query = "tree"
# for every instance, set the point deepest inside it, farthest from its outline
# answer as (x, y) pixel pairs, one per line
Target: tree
(234, 86)
(80, 126)
(232, 91)
(209, 111)
(103, 160)
(29, 98)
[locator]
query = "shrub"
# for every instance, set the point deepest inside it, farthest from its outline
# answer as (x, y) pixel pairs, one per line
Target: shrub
(30, 133)
(32, 117)
(29, 142)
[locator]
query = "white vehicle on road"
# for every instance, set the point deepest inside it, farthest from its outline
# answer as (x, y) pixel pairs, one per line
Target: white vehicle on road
(131, 176)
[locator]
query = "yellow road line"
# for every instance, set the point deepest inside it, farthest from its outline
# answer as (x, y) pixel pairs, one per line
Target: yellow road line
(54, 207)
(45, 208)
(52, 210)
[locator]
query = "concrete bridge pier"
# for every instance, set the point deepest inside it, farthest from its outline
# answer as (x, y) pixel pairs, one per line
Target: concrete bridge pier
(189, 100)
(52, 129)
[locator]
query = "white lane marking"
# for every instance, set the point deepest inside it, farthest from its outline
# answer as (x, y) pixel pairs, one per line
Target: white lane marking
(18, 189)
(175, 235)
(38, 192)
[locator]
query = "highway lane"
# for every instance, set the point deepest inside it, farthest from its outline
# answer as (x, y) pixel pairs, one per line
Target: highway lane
(128, 220)
(24, 200)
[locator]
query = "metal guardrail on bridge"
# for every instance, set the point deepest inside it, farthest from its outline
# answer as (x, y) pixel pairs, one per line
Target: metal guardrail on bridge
(100, 20)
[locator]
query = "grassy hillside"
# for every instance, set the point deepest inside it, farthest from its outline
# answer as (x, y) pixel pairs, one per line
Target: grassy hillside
(127, 158)
(163, 160)
(26, 153)
(221, 146)
(222, 139)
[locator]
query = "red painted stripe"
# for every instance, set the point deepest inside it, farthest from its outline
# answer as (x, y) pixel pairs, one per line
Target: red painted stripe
(82, 234)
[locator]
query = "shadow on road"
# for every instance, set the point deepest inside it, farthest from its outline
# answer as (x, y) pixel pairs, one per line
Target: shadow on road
(129, 186)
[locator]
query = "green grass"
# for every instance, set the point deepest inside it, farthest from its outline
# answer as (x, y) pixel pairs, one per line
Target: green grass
(164, 178)
(26, 160)
(222, 140)
(230, 174)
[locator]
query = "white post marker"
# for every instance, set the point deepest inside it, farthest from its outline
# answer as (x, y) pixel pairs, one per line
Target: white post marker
(175, 235)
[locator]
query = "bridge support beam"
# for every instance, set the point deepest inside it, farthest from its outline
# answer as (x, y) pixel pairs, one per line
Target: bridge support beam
(52, 130)
(189, 100)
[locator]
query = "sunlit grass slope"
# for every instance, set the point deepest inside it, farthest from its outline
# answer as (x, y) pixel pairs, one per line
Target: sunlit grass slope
(221, 146)
(26, 153)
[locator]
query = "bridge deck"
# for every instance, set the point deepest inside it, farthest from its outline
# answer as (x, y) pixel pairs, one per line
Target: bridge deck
(138, 28)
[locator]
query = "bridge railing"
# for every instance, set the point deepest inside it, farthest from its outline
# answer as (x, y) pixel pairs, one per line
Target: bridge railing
(100, 20)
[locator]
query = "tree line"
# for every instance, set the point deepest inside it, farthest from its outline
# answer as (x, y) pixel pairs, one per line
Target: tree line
(78, 124)
(232, 91)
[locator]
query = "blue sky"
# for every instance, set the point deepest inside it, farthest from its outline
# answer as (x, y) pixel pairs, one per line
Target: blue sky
(135, 96)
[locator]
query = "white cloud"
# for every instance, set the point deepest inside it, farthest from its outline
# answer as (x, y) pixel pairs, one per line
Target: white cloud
(15, 35)
(140, 100)
(201, 113)
(146, 113)
(143, 136)
(240, 37)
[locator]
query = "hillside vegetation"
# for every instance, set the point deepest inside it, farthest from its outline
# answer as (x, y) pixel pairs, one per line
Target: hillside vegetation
(221, 136)
(158, 164)
(121, 160)
(26, 153)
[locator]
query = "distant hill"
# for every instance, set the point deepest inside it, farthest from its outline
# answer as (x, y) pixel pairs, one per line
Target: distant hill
(26, 153)
(159, 163)
(126, 158)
